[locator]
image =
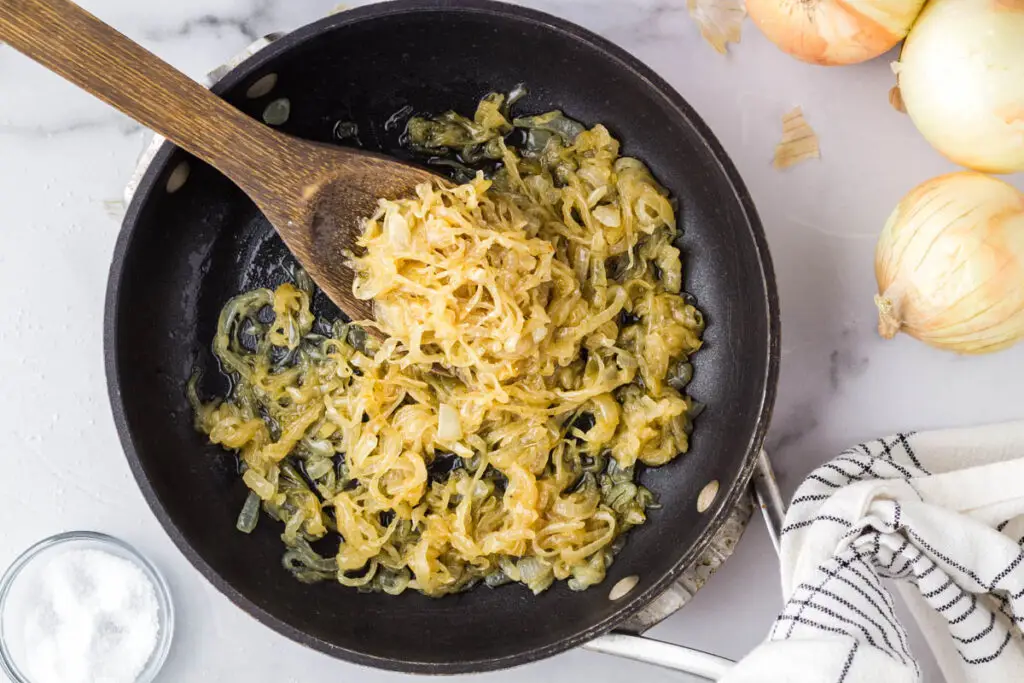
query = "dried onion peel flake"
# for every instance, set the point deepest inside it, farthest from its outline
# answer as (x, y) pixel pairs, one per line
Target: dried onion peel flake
(799, 141)
(720, 21)
(896, 99)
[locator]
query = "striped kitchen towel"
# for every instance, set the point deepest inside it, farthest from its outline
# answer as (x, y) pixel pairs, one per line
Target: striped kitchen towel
(939, 513)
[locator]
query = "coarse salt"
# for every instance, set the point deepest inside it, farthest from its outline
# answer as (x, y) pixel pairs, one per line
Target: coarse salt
(93, 620)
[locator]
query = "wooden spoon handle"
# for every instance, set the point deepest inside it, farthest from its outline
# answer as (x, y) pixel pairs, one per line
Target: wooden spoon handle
(69, 41)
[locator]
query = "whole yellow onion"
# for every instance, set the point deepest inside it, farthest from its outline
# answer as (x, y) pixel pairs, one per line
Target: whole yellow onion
(961, 77)
(834, 32)
(950, 265)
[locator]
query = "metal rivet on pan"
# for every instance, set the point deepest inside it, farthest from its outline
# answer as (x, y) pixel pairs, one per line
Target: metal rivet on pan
(261, 87)
(623, 587)
(277, 112)
(178, 177)
(707, 496)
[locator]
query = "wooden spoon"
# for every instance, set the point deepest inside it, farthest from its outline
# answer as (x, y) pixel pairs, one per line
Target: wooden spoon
(315, 195)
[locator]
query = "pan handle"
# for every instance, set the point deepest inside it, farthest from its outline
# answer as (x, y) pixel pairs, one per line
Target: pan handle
(769, 498)
(678, 657)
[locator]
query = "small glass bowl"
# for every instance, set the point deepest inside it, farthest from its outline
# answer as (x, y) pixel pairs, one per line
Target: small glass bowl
(18, 578)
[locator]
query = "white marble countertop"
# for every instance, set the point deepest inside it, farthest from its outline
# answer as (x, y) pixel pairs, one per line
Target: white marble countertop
(65, 158)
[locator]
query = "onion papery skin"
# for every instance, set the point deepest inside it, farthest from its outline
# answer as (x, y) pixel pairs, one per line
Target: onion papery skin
(834, 32)
(950, 265)
(961, 76)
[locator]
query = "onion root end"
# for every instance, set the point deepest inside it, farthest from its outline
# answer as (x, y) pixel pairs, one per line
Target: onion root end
(889, 322)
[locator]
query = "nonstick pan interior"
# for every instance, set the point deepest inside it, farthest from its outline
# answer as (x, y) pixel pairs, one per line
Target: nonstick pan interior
(182, 255)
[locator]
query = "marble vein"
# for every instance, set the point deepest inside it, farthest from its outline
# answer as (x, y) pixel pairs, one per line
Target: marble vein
(245, 24)
(846, 361)
(119, 124)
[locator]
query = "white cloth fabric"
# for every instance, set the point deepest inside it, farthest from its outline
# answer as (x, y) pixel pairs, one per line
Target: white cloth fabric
(940, 513)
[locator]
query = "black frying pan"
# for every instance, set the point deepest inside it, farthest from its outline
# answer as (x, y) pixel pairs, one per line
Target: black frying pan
(181, 255)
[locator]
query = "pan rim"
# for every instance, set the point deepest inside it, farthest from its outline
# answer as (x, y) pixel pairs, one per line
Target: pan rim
(680, 108)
